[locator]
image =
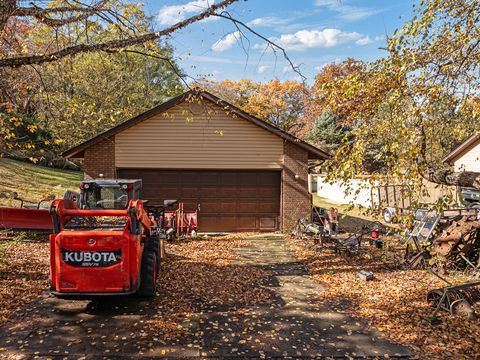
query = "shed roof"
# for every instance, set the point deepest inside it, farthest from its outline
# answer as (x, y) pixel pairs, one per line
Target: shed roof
(78, 151)
(462, 148)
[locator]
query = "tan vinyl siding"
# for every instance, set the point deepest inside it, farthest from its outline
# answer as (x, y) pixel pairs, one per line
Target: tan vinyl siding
(470, 160)
(179, 140)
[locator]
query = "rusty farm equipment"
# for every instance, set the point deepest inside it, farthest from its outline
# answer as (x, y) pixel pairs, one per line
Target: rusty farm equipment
(443, 241)
(455, 299)
(325, 232)
(180, 223)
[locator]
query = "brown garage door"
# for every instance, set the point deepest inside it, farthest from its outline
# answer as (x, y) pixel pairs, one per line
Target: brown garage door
(230, 200)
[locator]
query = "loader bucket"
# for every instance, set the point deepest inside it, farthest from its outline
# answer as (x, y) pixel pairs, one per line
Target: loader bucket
(25, 219)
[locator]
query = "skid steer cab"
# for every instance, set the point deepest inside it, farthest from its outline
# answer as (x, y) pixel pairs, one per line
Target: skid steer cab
(104, 244)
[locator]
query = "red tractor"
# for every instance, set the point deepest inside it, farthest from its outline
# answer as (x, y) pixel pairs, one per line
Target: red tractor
(106, 243)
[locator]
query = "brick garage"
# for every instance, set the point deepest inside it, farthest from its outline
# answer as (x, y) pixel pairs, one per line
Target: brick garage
(243, 173)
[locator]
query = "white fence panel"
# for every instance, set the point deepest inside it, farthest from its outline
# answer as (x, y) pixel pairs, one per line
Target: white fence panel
(357, 192)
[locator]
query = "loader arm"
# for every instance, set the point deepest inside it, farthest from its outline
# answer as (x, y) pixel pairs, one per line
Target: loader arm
(63, 211)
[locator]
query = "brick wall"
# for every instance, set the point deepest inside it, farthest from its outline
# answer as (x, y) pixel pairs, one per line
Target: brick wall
(100, 159)
(296, 200)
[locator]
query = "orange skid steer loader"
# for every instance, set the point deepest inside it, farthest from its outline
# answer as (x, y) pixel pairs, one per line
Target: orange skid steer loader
(108, 243)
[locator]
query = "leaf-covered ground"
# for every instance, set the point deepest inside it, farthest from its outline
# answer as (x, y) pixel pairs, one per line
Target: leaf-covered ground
(394, 303)
(202, 273)
(196, 274)
(23, 274)
(238, 295)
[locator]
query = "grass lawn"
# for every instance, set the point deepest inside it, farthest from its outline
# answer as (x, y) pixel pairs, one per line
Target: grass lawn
(33, 182)
(350, 220)
(342, 208)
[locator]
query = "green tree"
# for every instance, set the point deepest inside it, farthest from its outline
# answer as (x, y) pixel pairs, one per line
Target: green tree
(326, 133)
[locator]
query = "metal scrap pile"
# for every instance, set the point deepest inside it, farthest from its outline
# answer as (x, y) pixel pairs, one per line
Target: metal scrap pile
(448, 241)
(443, 242)
(457, 246)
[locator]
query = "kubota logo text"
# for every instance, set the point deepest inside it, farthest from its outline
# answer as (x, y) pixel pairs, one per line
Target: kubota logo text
(91, 258)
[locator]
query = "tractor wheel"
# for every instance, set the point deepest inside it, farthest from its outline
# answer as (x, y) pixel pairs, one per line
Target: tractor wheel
(148, 275)
(388, 216)
(154, 243)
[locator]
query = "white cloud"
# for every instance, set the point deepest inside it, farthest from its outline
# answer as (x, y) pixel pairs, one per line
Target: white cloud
(320, 67)
(347, 12)
(380, 37)
(268, 21)
(226, 42)
(169, 15)
(288, 68)
(327, 2)
(353, 13)
(313, 39)
(263, 68)
(364, 41)
(262, 47)
(215, 59)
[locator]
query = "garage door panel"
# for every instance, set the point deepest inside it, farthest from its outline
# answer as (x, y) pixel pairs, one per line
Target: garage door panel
(265, 192)
(164, 178)
(246, 223)
(247, 192)
(165, 189)
(267, 207)
(210, 223)
(228, 192)
(208, 178)
(230, 200)
(246, 179)
(268, 178)
(227, 207)
(247, 207)
(190, 205)
(268, 223)
(209, 192)
(209, 206)
(188, 190)
(228, 178)
(187, 177)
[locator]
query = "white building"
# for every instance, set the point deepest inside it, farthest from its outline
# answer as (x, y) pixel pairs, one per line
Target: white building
(466, 156)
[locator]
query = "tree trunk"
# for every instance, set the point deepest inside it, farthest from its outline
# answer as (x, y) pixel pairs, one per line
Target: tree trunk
(7, 8)
(444, 176)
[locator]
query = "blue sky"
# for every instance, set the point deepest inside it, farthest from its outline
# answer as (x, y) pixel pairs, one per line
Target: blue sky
(314, 33)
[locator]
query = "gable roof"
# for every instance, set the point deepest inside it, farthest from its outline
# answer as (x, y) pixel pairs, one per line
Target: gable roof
(313, 152)
(462, 148)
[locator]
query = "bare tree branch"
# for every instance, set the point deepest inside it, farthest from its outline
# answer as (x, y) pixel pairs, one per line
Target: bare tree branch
(113, 44)
(275, 47)
(41, 15)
